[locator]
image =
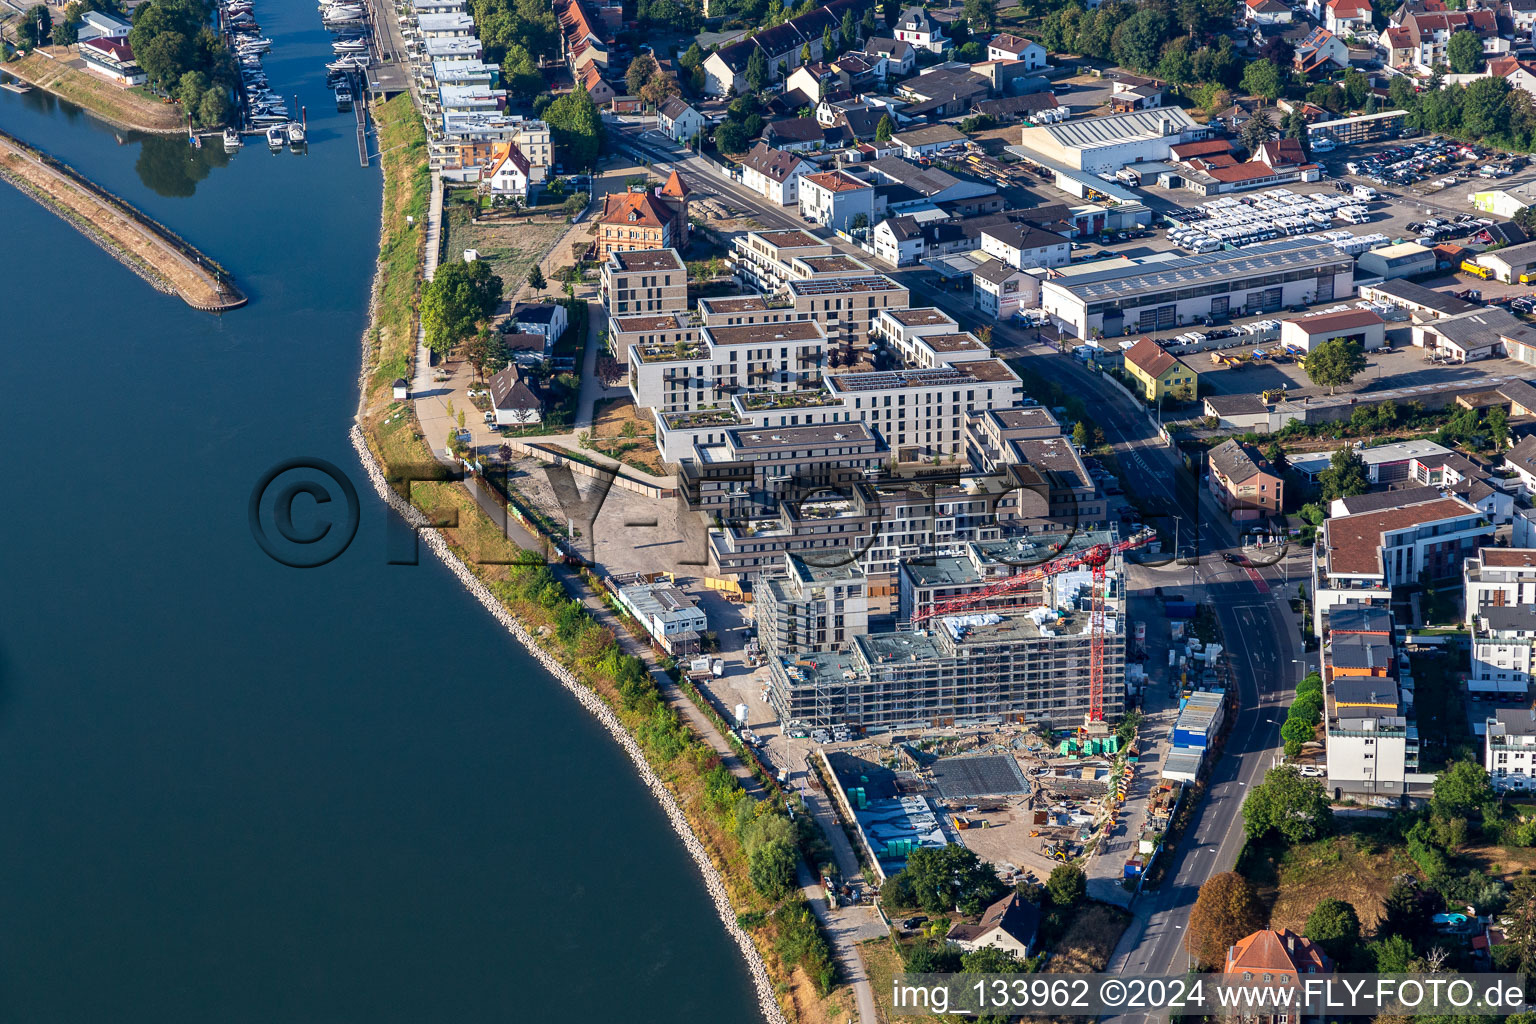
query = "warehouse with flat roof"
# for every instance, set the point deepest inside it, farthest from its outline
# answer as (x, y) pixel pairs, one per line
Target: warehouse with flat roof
(1158, 292)
(1109, 143)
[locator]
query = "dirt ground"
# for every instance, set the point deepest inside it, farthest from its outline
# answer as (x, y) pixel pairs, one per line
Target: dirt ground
(190, 281)
(1344, 868)
(609, 417)
(125, 107)
(1090, 941)
(510, 246)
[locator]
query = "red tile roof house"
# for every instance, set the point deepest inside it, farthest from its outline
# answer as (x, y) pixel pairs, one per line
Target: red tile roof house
(112, 59)
(1275, 959)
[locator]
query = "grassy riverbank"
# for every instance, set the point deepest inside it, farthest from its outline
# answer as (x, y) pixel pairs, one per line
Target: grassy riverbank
(728, 824)
(403, 143)
(125, 108)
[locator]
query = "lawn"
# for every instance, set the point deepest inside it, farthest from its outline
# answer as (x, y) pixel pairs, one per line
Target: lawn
(407, 179)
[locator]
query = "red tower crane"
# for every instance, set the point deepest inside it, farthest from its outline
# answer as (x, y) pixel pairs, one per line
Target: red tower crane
(1096, 558)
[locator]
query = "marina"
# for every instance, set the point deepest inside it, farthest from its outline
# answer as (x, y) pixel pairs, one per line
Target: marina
(263, 110)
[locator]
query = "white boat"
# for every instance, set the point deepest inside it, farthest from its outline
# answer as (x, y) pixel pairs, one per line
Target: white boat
(343, 98)
(232, 140)
(275, 137)
(295, 133)
(345, 48)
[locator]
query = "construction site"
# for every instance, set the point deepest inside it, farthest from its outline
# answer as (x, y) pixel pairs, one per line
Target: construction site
(999, 652)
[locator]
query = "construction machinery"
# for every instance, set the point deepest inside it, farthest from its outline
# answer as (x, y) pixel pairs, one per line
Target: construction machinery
(1096, 558)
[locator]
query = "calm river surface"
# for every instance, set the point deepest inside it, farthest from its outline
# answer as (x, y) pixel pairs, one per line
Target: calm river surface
(237, 792)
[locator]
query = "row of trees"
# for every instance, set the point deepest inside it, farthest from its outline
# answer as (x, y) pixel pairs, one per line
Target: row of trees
(457, 301)
(1300, 724)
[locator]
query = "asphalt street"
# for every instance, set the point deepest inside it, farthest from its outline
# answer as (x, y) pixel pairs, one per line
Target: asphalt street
(1258, 626)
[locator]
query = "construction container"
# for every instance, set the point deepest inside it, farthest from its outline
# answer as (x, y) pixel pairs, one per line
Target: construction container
(1200, 715)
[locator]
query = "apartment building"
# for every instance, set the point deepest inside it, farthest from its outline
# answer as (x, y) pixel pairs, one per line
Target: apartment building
(974, 566)
(1241, 479)
(836, 200)
(762, 258)
(901, 327)
(965, 670)
(1502, 638)
(1509, 748)
(753, 469)
(1358, 559)
(1373, 745)
(644, 281)
(921, 413)
(684, 377)
(653, 331)
(1499, 578)
(845, 304)
(811, 607)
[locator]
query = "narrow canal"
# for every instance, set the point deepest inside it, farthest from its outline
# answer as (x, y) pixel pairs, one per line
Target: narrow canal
(232, 791)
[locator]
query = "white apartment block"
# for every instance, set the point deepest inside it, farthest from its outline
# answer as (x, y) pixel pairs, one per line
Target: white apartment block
(684, 377)
(1499, 578)
(845, 306)
(921, 413)
(762, 258)
(1509, 748)
(1358, 559)
(1502, 638)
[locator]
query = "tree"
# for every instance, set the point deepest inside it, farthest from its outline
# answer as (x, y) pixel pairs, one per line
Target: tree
(1226, 910)
(1262, 78)
(520, 73)
(1521, 930)
(859, 222)
(990, 960)
(1334, 925)
(1391, 954)
(939, 880)
(848, 31)
(1067, 885)
(731, 137)
(191, 87)
(212, 106)
(455, 301)
(1081, 436)
(1403, 910)
(639, 72)
(66, 32)
(757, 71)
(575, 127)
(164, 58)
(1461, 790)
(1257, 130)
(1345, 476)
(884, 129)
(1465, 52)
(805, 53)
(981, 15)
(1335, 362)
(536, 279)
(1296, 128)
(40, 16)
(486, 351)
(1287, 803)
(1497, 423)
(574, 204)
(1136, 42)
(658, 88)
(1175, 66)
(828, 47)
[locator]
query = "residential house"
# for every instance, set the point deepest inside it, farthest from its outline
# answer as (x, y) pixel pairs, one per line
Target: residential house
(513, 402)
(1320, 51)
(1266, 13)
(898, 241)
(1011, 924)
(1419, 41)
(1242, 479)
(598, 87)
(510, 172)
(643, 219)
(1159, 375)
(1498, 578)
(1277, 959)
(901, 58)
(526, 350)
(917, 28)
(585, 38)
(112, 59)
(1022, 246)
(1000, 289)
(549, 319)
(808, 83)
(1012, 47)
(679, 120)
(1280, 154)
(1521, 15)
(1521, 461)
(775, 174)
(725, 70)
(1347, 17)
(1520, 74)
(795, 134)
(835, 199)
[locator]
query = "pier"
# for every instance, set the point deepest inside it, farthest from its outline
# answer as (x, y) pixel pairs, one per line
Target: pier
(149, 249)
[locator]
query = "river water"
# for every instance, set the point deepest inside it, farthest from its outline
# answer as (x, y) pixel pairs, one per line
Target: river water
(238, 792)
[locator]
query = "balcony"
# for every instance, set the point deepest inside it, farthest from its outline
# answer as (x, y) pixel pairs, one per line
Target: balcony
(804, 398)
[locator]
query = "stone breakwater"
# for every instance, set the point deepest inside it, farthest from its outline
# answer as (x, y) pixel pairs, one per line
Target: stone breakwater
(599, 710)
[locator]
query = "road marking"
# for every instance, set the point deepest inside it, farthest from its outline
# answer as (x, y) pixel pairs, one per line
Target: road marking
(1258, 580)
